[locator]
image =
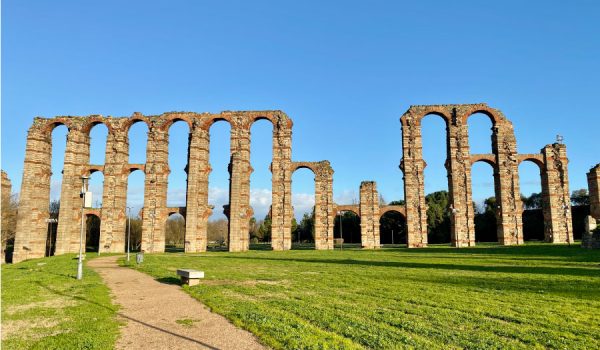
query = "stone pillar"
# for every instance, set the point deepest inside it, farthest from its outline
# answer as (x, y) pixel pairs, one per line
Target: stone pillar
(239, 186)
(197, 209)
(154, 214)
(77, 159)
(458, 166)
(412, 166)
(34, 198)
(324, 206)
(593, 178)
(558, 227)
(281, 205)
(113, 227)
(590, 239)
(369, 215)
(506, 180)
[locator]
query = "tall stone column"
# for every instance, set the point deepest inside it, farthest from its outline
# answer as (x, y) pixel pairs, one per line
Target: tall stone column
(281, 205)
(324, 206)
(155, 190)
(239, 188)
(593, 178)
(34, 198)
(114, 202)
(458, 165)
(77, 159)
(558, 227)
(197, 209)
(506, 176)
(412, 166)
(369, 215)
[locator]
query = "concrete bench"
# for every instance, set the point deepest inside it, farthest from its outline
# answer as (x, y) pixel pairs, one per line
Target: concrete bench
(190, 277)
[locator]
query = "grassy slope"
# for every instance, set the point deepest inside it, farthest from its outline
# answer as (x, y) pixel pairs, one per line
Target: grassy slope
(534, 296)
(45, 307)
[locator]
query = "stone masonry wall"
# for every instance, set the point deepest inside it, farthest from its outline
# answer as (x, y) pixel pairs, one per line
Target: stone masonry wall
(593, 178)
(369, 215)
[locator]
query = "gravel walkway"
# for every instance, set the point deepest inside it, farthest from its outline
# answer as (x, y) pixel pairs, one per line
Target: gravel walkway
(162, 316)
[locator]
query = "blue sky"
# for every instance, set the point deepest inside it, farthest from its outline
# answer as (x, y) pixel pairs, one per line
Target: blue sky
(344, 71)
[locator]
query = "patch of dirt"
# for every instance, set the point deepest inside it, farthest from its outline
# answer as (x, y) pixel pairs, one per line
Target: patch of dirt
(29, 329)
(56, 303)
(151, 311)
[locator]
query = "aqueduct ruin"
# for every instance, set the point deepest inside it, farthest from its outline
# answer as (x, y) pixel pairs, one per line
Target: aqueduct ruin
(31, 236)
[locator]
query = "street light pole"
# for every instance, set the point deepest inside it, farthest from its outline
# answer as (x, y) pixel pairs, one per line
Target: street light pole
(128, 232)
(84, 180)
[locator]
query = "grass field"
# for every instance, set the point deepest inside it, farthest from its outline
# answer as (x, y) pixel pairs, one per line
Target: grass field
(533, 296)
(45, 307)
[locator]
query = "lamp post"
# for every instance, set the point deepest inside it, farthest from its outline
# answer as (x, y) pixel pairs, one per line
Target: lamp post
(84, 180)
(341, 231)
(128, 231)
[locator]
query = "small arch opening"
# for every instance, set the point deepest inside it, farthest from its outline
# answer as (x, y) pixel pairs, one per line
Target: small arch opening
(138, 140)
(98, 136)
(92, 233)
(175, 233)
(480, 133)
(392, 229)
(347, 226)
(303, 206)
(484, 201)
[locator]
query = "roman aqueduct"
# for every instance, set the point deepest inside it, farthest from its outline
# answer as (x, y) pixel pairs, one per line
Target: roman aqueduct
(31, 236)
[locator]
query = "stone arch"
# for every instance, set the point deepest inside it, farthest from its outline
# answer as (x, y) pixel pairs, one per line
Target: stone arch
(536, 159)
(51, 124)
(353, 208)
(465, 111)
(400, 209)
(166, 120)
(94, 120)
(484, 158)
(134, 119)
(304, 165)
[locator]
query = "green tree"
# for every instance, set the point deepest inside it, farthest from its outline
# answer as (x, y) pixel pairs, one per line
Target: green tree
(580, 197)
(534, 201)
(305, 229)
(264, 230)
(438, 217)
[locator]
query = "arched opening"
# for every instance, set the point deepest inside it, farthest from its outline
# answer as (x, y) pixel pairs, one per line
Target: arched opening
(261, 156)
(434, 139)
(484, 201)
(92, 233)
(138, 140)
(531, 194)
(98, 135)
(480, 133)
(59, 145)
(175, 233)
(96, 186)
(218, 184)
(392, 229)
(179, 136)
(135, 203)
(347, 226)
(303, 205)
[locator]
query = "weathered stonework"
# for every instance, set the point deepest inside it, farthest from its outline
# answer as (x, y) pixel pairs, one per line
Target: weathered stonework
(369, 215)
(504, 160)
(593, 178)
(370, 212)
(35, 191)
(590, 239)
(5, 187)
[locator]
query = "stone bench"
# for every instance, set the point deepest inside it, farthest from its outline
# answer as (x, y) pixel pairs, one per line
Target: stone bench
(190, 277)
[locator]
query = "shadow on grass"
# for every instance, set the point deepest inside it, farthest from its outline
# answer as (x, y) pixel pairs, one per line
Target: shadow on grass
(169, 280)
(545, 270)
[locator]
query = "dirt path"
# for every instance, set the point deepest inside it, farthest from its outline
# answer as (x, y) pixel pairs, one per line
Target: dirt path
(151, 310)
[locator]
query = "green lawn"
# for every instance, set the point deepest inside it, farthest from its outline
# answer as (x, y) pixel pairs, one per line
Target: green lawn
(45, 307)
(533, 296)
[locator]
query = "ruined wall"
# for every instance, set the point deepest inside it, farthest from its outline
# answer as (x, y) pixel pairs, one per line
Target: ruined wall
(369, 215)
(556, 196)
(6, 188)
(593, 178)
(505, 161)
(35, 191)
